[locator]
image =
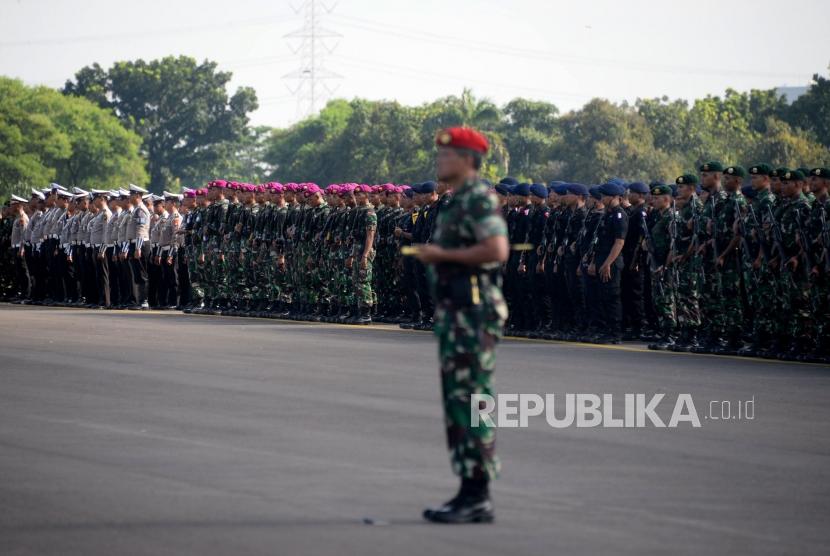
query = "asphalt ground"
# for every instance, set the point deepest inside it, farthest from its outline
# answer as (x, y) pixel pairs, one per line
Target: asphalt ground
(162, 433)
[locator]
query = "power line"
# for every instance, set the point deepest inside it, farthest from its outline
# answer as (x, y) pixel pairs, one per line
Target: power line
(400, 32)
(313, 43)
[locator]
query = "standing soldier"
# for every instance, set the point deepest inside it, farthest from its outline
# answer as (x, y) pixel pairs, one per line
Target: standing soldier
(659, 243)
(363, 254)
(685, 264)
(711, 291)
(634, 271)
(607, 264)
(469, 246)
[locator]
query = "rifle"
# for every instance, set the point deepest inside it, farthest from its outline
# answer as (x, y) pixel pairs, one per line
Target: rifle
(778, 243)
(825, 240)
(557, 259)
(715, 255)
(652, 259)
(745, 250)
(588, 257)
(806, 260)
(675, 277)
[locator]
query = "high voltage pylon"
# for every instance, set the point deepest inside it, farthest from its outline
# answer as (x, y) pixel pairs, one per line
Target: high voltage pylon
(312, 42)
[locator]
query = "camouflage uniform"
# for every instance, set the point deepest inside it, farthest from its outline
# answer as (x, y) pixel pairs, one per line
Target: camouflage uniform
(366, 220)
(468, 329)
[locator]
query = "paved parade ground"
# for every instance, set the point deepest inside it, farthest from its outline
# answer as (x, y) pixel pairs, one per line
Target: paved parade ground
(162, 433)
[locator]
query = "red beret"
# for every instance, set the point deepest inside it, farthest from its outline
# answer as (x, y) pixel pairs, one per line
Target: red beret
(462, 138)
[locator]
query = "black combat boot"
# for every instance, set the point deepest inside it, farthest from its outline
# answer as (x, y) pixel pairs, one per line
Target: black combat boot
(665, 343)
(471, 505)
(364, 315)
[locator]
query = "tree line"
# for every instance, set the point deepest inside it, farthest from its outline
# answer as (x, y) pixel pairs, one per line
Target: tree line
(171, 122)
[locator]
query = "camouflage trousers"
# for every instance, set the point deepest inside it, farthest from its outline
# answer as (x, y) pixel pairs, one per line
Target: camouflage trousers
(727, 311)
(663, 301)
(195, 271)
(364, 296)
(766, 303)
(797, 322)
(215, 274)
(687, 296)
(466, 350)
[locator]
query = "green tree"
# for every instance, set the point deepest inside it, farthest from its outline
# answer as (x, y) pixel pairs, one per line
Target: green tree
(786, 146)
(181, 110)
(30, 143)
(531, 134)
(45, 136)
(604, 140)
(811, 111)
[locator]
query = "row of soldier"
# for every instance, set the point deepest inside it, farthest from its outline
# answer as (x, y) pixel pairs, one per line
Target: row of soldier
(599, 264)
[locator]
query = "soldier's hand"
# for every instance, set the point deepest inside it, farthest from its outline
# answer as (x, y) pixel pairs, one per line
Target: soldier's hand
(364, 263)
(69, 258)
(540, 268)
(201, 259)
(157, 260)
(222, 257)
(349, 263)
(430, 253)
(522, 268)
(137, 254)
(561, 250)
(169, 261)
(592, 269)
(397, 232)
(721, 261)
(793, 264)
(605, 272)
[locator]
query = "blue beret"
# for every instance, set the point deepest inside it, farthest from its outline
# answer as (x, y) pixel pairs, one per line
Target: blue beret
(618, 181)
(415, 187)
(523, 190)
(611, 189)
(509, 182)
(576, 189)
(594, 191)
(749, 192)
(502, 189)
(638, 187)
(410, 191)
(560, 188)
(427, 187)
(539, 190)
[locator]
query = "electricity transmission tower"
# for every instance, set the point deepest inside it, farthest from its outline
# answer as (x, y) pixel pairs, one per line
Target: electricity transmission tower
(310, 82)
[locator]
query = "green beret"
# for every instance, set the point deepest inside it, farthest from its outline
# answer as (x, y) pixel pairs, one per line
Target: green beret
(778, 172)
(686, 179)
(792, 175)
(711, 166)
(820, 173)
(739, 171)
(661, 190)
(762, 169)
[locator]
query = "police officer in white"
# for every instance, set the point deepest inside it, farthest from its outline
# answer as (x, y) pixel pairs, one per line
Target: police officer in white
(138, 247)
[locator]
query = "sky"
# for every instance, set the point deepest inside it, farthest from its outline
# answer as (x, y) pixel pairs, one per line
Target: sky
(562, 51)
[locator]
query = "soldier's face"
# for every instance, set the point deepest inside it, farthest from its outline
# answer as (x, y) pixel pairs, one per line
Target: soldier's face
(759, 181)
(450, 165)
(733, 183)
(710, 179)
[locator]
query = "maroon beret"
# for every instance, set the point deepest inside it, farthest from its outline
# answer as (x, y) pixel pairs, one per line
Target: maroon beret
(462, 138)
